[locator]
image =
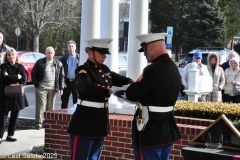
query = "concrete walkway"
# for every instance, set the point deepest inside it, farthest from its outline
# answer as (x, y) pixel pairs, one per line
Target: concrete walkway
(26, 139)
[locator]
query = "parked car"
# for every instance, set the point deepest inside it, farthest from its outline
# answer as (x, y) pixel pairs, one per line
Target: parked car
(222, 52)
(122, 64)
(28, 59)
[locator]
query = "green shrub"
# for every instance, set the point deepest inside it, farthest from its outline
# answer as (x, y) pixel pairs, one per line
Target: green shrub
(207, 110)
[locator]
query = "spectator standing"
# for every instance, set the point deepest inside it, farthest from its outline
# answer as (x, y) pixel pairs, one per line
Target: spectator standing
(3, 48)
(217, 75)
(232, 76)
(70, 64)
(197, 57)
(224, 66)
(48, 78)
(90, 123)
(11, 73)
(231, 55)
(157, 91)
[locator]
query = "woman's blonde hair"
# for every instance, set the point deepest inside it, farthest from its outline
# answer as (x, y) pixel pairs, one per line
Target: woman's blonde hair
(11, 50)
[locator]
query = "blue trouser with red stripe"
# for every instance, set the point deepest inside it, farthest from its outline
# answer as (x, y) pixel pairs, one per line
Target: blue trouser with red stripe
(155, 153)
(85, 148)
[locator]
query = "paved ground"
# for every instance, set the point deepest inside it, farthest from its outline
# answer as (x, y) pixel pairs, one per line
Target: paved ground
(26, 139)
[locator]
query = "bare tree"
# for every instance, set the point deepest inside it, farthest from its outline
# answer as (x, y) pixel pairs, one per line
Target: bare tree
(41, 13)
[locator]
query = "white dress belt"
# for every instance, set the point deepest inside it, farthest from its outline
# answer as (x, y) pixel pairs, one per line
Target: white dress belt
(92, 104)
(159, 109)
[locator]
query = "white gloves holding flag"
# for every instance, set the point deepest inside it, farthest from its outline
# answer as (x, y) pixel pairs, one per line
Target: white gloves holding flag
(115, 88)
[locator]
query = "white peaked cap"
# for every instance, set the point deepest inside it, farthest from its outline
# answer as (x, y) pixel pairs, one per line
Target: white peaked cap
(99, 43)
(147, 38)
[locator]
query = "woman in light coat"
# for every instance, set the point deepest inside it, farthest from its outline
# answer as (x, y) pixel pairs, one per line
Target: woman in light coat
(217, 75)
(232, 76)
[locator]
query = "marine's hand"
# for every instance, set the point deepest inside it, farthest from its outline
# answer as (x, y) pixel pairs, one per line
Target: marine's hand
(115, 89)
(124, 87)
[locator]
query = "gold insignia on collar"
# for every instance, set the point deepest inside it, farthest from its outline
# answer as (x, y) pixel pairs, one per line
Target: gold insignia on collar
(109, 41)
(82, 71)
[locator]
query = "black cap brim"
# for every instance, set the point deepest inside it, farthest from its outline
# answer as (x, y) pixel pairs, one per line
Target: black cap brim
(143, 44)
(102, 50)
(142, 47)
(141, 50)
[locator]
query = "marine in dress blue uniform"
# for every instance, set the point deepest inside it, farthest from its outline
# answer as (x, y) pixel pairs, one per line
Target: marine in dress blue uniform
(156, 90)
(90, 122)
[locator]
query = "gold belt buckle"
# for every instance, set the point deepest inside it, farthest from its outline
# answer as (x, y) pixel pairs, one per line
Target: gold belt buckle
(106, 105)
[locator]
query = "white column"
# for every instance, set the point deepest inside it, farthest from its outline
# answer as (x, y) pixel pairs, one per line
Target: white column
(90, 22)
(138, 24)
(109, 29)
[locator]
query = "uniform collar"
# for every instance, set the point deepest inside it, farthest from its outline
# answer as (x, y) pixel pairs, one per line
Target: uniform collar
(161, 57)
(93, 64)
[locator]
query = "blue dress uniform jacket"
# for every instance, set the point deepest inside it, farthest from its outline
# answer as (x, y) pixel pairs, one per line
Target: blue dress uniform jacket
(93, 85)
(159, 86)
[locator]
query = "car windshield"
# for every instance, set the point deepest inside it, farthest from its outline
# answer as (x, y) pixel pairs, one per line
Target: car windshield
(38, 56)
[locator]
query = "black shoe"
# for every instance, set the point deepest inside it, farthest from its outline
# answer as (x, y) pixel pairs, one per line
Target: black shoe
(11, 139)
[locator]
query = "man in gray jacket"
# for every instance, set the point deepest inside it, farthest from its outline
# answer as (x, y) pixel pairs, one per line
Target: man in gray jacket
(48, 78)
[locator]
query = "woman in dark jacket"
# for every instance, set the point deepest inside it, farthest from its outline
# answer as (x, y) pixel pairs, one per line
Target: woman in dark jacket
(11, 73)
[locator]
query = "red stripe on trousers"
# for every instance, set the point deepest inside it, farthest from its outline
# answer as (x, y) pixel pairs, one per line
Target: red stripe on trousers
(141, 156)
(74, 147)
(237, 157)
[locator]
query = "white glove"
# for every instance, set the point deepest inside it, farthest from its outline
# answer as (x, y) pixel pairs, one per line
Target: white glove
(124, 87)
(115, 89)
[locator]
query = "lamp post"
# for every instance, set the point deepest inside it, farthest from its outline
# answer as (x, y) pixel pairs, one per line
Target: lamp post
(17, 32)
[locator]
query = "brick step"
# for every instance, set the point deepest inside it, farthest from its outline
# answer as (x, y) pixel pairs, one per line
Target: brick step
(193, 121)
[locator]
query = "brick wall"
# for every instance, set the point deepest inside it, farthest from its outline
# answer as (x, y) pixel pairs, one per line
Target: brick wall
(117, 145)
